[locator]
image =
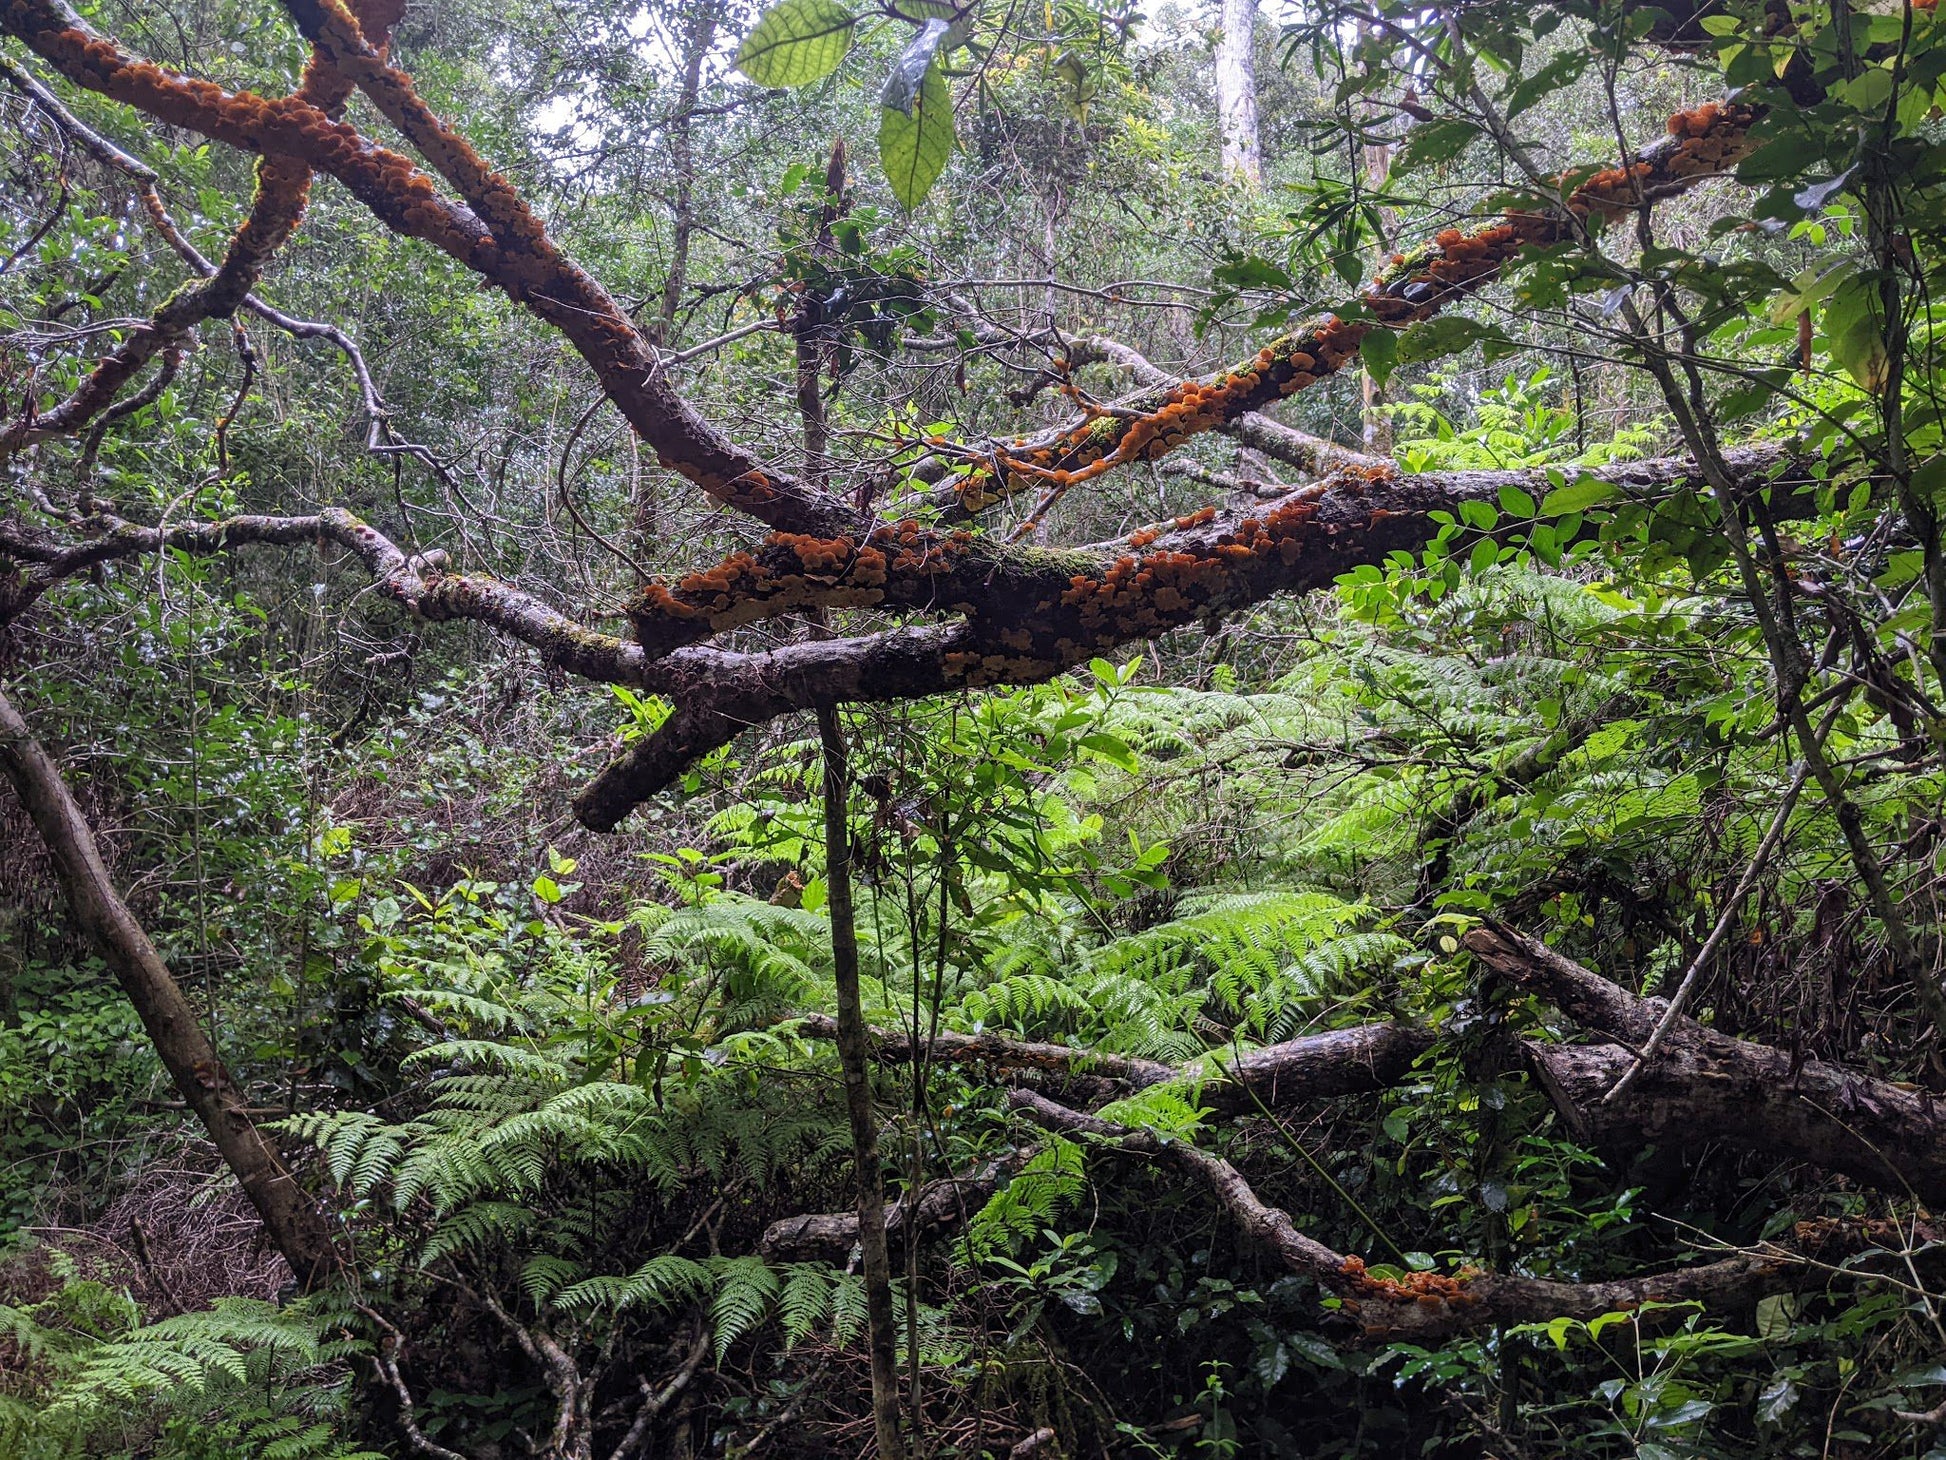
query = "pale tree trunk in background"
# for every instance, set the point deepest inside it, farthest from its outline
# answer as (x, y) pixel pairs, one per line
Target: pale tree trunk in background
(291, 1219)
(1378, 171)
(1378, 425)
(698, 37)
(1236, 91)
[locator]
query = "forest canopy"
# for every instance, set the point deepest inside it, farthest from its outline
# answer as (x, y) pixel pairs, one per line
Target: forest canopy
(941, 729)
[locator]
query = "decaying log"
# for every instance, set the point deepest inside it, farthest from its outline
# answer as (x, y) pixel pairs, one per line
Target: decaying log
(1324, 1066)
(1705, 1086)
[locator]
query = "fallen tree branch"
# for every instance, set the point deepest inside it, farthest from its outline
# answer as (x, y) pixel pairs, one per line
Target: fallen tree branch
(941, 1204)
(655, 1402)
(1325, 1066)
(291, 1220)
(1707, 1086)
(1424, 1305)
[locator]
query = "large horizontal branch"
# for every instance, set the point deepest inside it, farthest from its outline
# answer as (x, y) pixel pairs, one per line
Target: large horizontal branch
(1418, 1305)
(1033, 613)
(1065, 605)
(1424, 1305)
(1043, 612)
(1704, 1086)
(510, 249)
(1324, 1066)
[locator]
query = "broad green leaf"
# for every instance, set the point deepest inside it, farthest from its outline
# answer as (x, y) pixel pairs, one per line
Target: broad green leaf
(796, 43)
(913, 146)
(1380, 351)
(1433, 142)
(1853, 331)
(1775, 1315)
(1576, 496)
(1435, 338)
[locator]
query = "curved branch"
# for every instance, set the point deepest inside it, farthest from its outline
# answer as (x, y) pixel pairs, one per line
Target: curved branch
(1424, 1305)
(1310, 454)
(283, 191)
(419, 584)
(525, 264)
(1702, 143)
(148, 192)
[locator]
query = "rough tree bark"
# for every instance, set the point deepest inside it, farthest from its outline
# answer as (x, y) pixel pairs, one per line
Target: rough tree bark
(291, 1219)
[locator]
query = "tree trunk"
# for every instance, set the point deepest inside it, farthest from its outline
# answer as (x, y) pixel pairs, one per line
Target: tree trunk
(290, 1217)
(1236, 92)
(855, 1057)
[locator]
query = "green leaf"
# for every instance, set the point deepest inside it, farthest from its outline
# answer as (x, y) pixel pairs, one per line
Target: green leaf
(1516, 503)
(1576, 496)
(1435, 338)
(1251, 272)
(913, 147)
(1433, 142)
(1854, 333)
(1380, 350)
(1929, 478)
(796, 43)
(1775, 1315)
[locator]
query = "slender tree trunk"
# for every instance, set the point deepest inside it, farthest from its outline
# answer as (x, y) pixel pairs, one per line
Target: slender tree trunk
(855, 1056)
(1236, 91)
(698, 38)
(814, 332)
(290, 1217)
